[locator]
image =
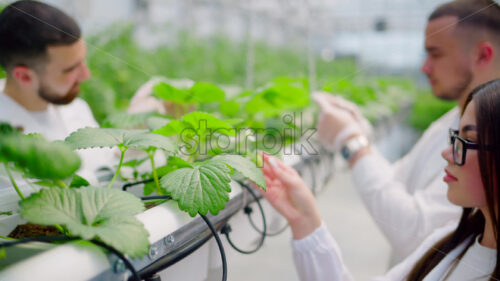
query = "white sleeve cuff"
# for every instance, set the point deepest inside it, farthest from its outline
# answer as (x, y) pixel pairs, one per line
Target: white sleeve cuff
(319, 240)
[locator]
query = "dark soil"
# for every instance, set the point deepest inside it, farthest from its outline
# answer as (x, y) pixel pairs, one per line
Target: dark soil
(33, 230)
(151, 205)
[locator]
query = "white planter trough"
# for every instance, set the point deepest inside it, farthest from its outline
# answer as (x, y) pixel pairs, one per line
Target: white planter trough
(179, 248)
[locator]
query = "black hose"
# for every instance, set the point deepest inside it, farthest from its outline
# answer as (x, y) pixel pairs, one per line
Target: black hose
(120, 256)
(249, 211)
(219, 243)
(130, 184)
(226, 229)
(155, 197)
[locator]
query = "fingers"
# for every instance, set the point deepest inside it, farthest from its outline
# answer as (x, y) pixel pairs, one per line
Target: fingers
(323, 100)
(275, 169)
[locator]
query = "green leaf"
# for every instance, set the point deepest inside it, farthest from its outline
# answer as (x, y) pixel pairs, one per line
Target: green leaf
(52, 206)
(203, 122)
(137, 139)
(147, 141)
(95, 137)
(178, 162)
(78, 181)
(206, 93)
(202, 188)
(38, 157)
(173, 163)
(149, 188)
(243, 165)
(167, 92)
(45, 183)
(175, 127)
(7, 129)
(196, 123)
(124, 120)
(99, 204)
(156, 122)
(91, 212)
(283, 94)
(3, 254)
(229, 108)
(134, 162)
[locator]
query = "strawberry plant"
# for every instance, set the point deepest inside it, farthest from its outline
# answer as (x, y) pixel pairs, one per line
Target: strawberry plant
(197, 182)
(87, 212)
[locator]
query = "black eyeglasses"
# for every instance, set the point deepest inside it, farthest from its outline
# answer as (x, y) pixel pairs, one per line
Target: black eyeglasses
(460, 147)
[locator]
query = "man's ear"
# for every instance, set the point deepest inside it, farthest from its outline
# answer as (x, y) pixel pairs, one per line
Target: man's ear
(24, 75)
(485, 54)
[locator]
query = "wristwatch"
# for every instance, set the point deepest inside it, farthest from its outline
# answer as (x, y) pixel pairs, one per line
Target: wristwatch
(352, 146)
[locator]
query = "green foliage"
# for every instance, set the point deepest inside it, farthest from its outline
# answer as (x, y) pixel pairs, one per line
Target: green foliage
(124, 120)
(282, 95)
(196, 124)
(6, 129)
(167, 92)
(77, 181)
(91, 213)
(195, 132)
(206, 93)
(37, 157)
(427, 109)
(119, 66)
(136, 139)
(377, 98)
(199, 93)
(201, 188)
(204, 186)
(246, 167)
(96, 137)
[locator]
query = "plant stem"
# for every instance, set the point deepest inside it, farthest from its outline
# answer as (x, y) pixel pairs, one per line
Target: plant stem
(7, 238)
(122, 149)
(13, 182)
(60, 183)
(151, 155)
(155, 201)
(60, 228)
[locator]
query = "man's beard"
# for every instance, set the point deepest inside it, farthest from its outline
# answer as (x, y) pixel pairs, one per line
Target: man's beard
(458, 90)
(46, 94)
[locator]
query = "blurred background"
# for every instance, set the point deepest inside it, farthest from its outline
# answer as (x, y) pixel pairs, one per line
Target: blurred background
(369, 51)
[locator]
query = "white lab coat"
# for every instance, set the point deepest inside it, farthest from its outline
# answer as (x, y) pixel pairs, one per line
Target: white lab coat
(318, 258)
(56, 123)
(408, 199)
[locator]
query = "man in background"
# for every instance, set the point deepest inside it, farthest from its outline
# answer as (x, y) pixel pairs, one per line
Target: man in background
(408, 199)
(43, 55)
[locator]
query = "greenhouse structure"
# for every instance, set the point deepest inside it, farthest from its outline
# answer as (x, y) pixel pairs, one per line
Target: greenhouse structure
(204, 140)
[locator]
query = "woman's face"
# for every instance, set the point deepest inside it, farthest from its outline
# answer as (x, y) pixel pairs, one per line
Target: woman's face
(465, 187)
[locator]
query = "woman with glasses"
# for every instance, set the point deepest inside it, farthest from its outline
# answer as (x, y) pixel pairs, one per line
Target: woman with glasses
(463, 252)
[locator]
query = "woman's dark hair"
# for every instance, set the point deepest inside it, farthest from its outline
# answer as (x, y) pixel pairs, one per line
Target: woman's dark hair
(27, 28)
(487, 106)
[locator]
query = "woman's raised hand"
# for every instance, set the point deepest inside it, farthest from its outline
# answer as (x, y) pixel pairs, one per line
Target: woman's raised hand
(289, 195)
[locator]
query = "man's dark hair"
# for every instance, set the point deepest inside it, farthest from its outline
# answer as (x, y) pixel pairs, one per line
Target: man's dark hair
(27, 28)
(477, 14)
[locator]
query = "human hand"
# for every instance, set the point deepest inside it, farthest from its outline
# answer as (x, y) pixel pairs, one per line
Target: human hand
(144, 101)
(289, 195)
(339, 120)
